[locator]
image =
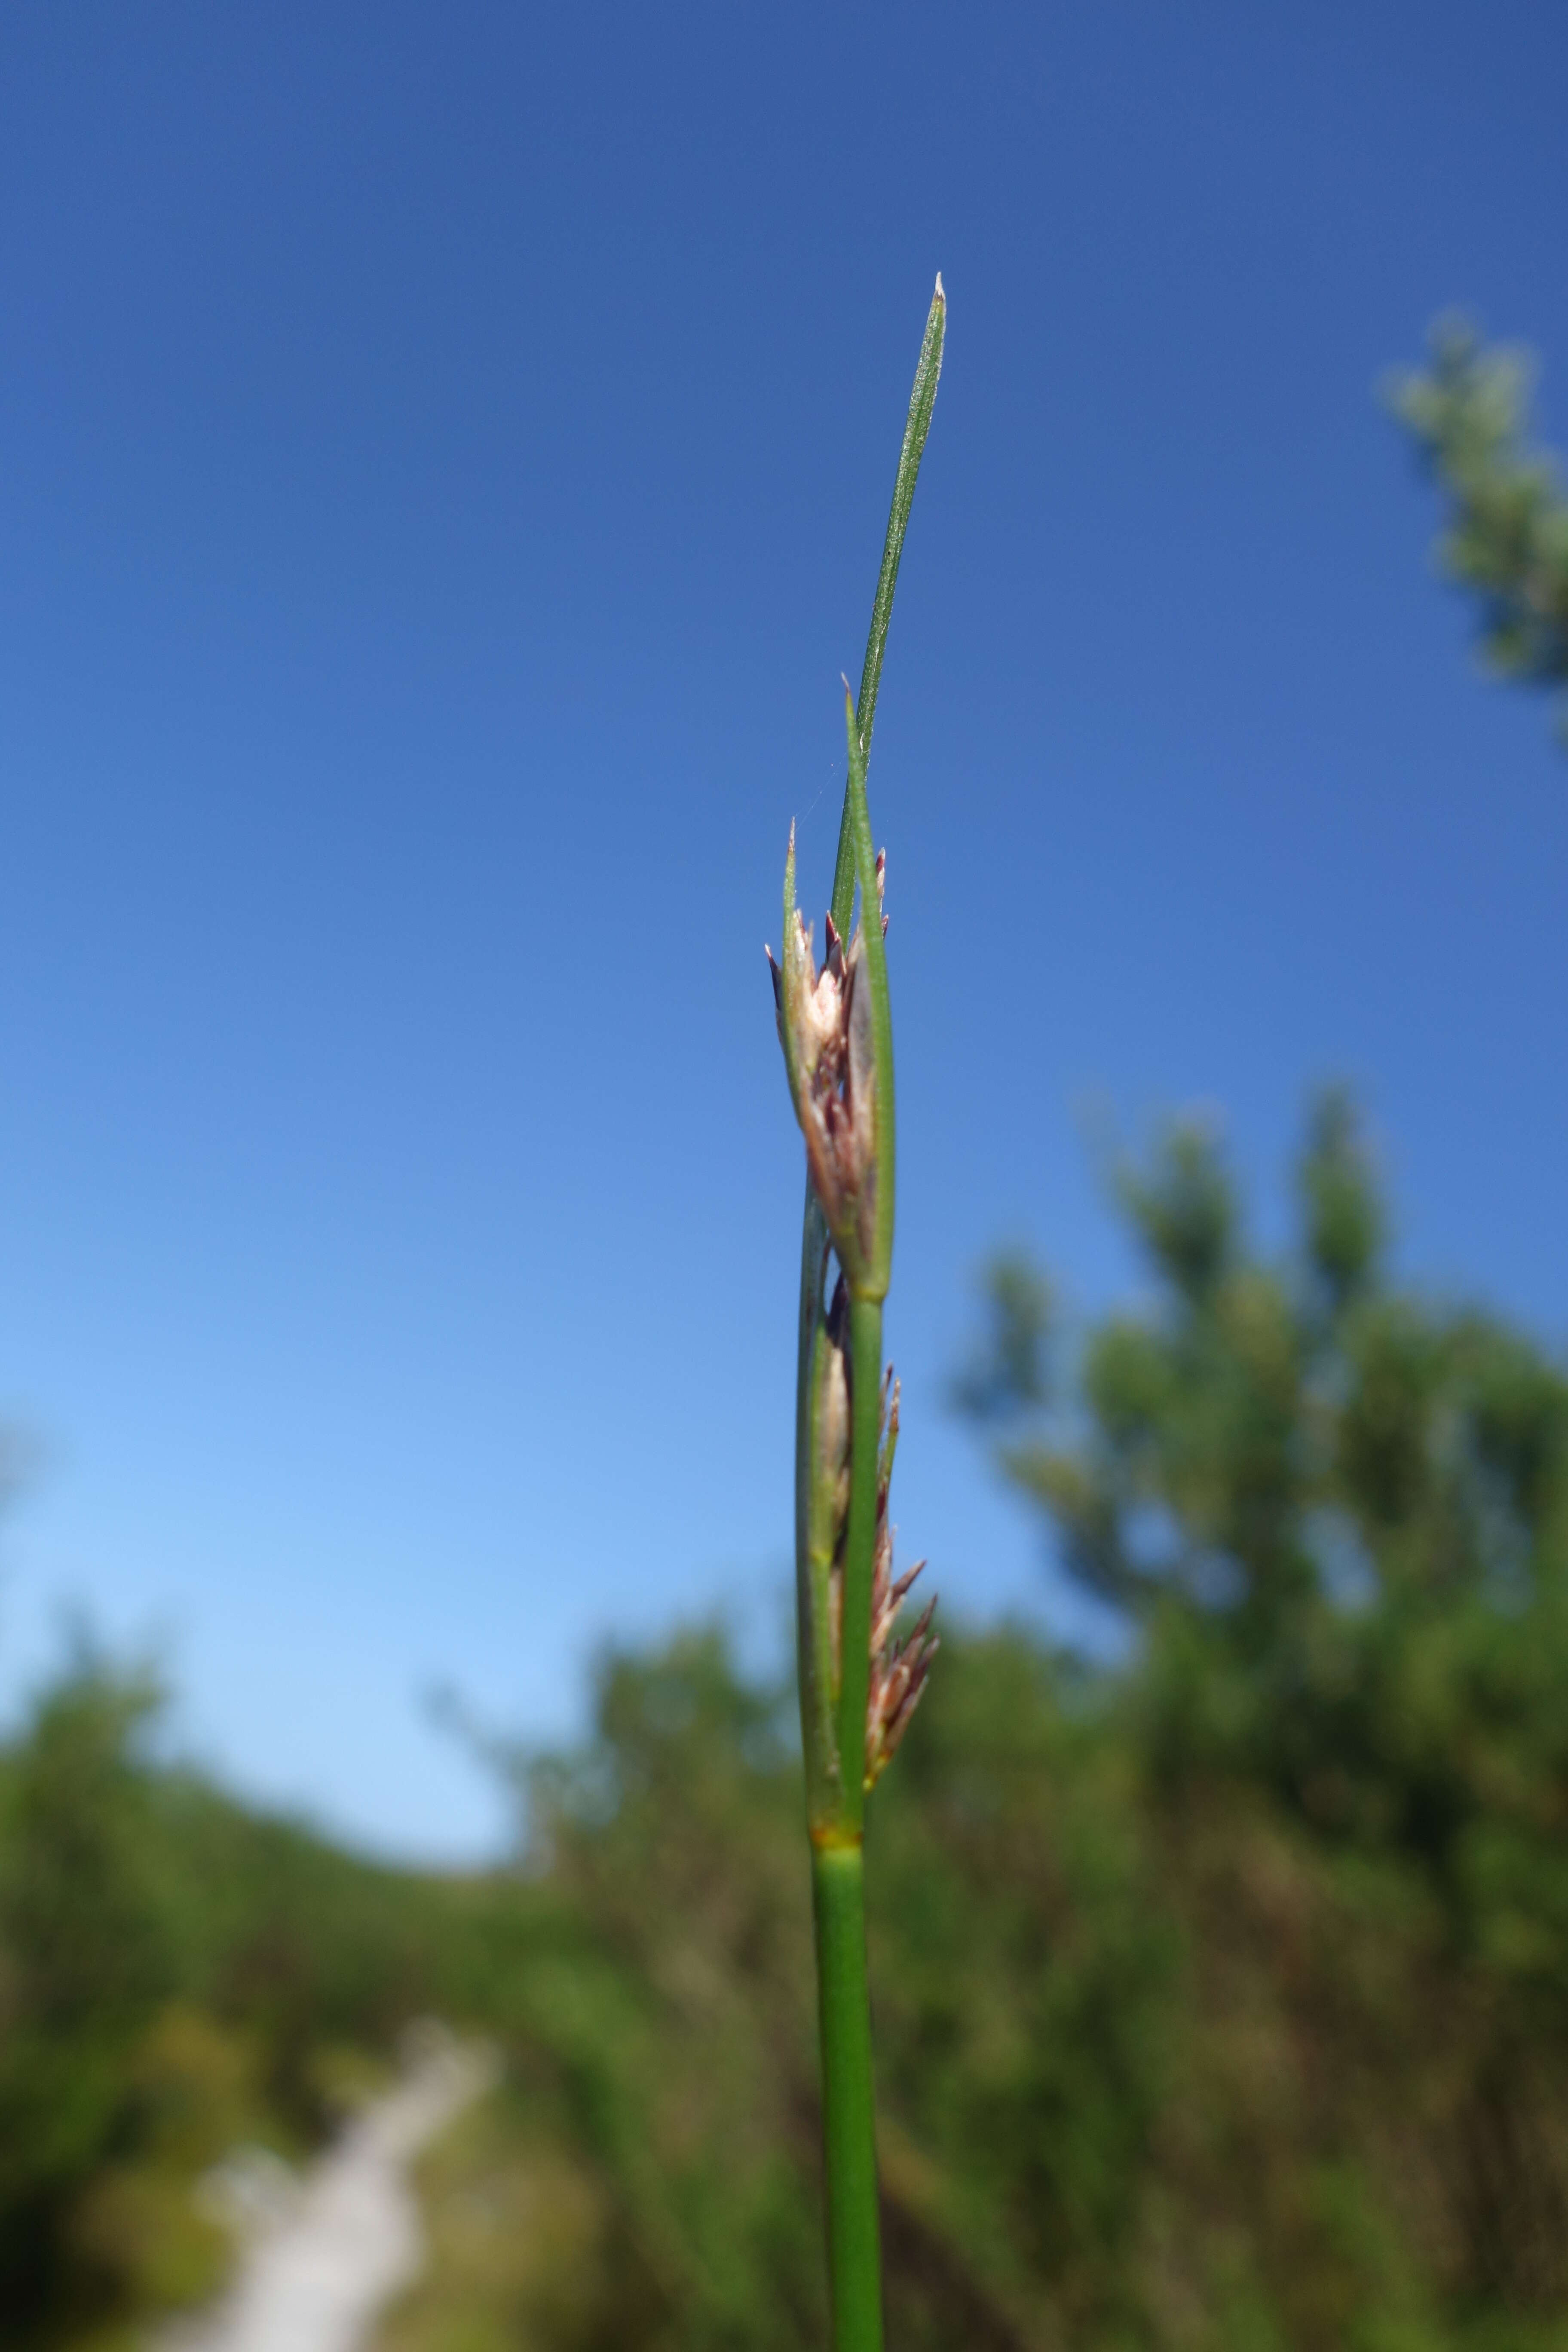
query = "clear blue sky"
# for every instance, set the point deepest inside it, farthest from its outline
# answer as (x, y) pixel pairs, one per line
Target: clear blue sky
(445, 453)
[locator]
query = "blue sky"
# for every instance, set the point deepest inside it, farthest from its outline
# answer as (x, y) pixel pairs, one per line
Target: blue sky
(445, 454)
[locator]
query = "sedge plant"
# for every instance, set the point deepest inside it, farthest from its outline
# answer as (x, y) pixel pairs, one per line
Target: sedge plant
(859, 1681)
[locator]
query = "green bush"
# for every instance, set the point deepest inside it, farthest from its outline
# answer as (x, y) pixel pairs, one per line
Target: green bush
(175, 1976)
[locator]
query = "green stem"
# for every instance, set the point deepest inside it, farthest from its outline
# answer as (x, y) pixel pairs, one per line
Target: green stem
(835, 1794)
(923, 400)
(849, 2137)
(872, 1281)
(859, 1546)
(819, 1724)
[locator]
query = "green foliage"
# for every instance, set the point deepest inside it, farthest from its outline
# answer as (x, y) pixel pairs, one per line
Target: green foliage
(175, 1976)
(1507, 534)
(85, 1937)
(1338, 1514)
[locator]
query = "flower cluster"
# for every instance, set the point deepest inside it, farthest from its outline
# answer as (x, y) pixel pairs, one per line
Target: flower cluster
(899, 1669)
(825, 1027)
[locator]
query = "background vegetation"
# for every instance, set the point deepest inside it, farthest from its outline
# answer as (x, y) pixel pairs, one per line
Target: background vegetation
(1222, 1990)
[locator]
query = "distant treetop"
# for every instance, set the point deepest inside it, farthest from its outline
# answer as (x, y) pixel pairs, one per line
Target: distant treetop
(1505, 537)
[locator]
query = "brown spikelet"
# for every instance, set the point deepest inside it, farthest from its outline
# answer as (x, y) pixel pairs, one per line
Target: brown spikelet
(899, 1669)
(824, 1020)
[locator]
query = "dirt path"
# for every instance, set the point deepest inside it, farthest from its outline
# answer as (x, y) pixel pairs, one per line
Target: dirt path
(316, 2275)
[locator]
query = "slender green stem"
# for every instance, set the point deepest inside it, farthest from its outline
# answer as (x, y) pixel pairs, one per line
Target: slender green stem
(834, 1723)
(814, 1564)
(849, 2137)
(872, 1282)
(859, 1545)
(923, 400)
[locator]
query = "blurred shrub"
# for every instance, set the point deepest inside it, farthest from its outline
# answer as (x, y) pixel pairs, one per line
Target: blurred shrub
(175, 1976)
(1506, 534)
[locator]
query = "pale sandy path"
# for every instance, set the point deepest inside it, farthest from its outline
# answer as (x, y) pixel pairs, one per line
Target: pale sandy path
(317, 2278)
